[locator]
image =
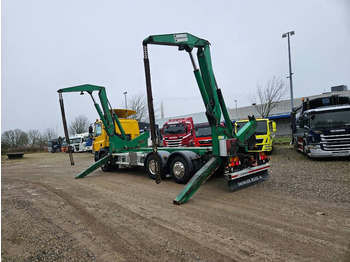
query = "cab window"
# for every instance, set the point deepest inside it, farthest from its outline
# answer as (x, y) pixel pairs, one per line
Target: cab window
(98, 129)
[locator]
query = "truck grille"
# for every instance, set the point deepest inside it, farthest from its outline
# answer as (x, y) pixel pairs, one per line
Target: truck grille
(173, 143)
(204, 141)
(335, 142)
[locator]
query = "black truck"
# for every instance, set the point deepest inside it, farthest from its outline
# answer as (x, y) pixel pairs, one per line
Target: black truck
(321, 126)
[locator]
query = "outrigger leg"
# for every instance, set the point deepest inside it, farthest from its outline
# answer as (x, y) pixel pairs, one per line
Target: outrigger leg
(197, 180)
(94, 166)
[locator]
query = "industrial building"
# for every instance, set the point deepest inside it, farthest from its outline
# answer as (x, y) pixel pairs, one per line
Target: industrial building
(280, 114)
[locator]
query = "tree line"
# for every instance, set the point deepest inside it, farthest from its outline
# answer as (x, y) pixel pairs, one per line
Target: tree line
(18, 138)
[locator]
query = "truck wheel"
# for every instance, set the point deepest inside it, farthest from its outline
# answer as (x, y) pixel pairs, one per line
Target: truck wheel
(151, 166)
(106, 167)
(179, 170)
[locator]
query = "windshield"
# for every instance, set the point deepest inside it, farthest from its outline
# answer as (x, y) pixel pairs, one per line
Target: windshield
(76, 140)
(203, 131)
(55, 143)
(261, 128)
(330, 119)
(174, 129)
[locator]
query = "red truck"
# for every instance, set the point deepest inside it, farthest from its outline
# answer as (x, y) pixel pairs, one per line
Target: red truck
(203, 134)
(178, 132)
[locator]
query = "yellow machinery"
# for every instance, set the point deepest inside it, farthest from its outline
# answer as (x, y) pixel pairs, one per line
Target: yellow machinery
(100, 145)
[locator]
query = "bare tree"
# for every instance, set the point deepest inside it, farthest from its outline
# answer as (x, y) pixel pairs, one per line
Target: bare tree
(34, 138)
(79, 125)
(14, 138)
(267, 97)
(139, 104)
(49, 134)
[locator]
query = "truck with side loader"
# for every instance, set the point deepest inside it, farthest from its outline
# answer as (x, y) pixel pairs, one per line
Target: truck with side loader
(321, 126)
(191, 165)
(100, 144)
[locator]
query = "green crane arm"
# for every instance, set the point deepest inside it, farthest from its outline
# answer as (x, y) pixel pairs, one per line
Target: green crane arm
(105, 114)
(211, 94)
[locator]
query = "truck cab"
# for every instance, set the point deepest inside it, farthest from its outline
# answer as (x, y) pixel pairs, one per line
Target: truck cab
(80, 142)
(178, 132)
(323, 128)
(203, 135)
(100, 144)
(55, 146)
(264, 133)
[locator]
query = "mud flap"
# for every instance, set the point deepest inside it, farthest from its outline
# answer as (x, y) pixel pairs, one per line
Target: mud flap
(248, 180)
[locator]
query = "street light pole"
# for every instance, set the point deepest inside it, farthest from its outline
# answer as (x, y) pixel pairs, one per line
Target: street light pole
(236, 109)
(126, 105)
(288, 34)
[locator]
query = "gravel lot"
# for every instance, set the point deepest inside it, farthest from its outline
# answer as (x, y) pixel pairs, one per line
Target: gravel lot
(301, 214)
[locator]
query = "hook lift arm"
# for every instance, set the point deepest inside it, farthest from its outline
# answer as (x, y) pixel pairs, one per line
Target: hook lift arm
(106, 114)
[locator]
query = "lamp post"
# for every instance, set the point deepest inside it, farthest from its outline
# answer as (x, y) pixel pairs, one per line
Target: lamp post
(126, 105)
(236, 109)
(288, 34)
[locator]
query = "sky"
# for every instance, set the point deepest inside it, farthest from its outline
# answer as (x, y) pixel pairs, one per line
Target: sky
(48, 45)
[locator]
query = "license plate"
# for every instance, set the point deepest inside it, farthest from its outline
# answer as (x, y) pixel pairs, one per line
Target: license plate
(343, 153)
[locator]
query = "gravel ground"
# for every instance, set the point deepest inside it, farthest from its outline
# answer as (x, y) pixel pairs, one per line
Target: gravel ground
(302, 213)
(318, 179)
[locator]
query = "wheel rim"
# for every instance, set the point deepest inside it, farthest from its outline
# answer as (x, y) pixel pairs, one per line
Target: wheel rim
(179, 169)
(152, 167)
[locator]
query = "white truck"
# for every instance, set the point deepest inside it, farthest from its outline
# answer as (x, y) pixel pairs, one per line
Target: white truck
(81, 142)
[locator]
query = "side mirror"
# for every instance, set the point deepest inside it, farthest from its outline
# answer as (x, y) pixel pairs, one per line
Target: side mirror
(274, 127)
(91, 129)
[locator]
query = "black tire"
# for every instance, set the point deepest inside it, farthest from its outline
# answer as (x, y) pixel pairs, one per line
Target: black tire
(179, 170)
(106, 167)
(151, 165)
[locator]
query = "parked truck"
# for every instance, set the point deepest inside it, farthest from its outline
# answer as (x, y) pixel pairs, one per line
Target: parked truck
(321, 126)
(264, 133)
(191, 165)
(81, 142)
(100, 145)
(202, 135)
(178, 132)
(55, 146)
